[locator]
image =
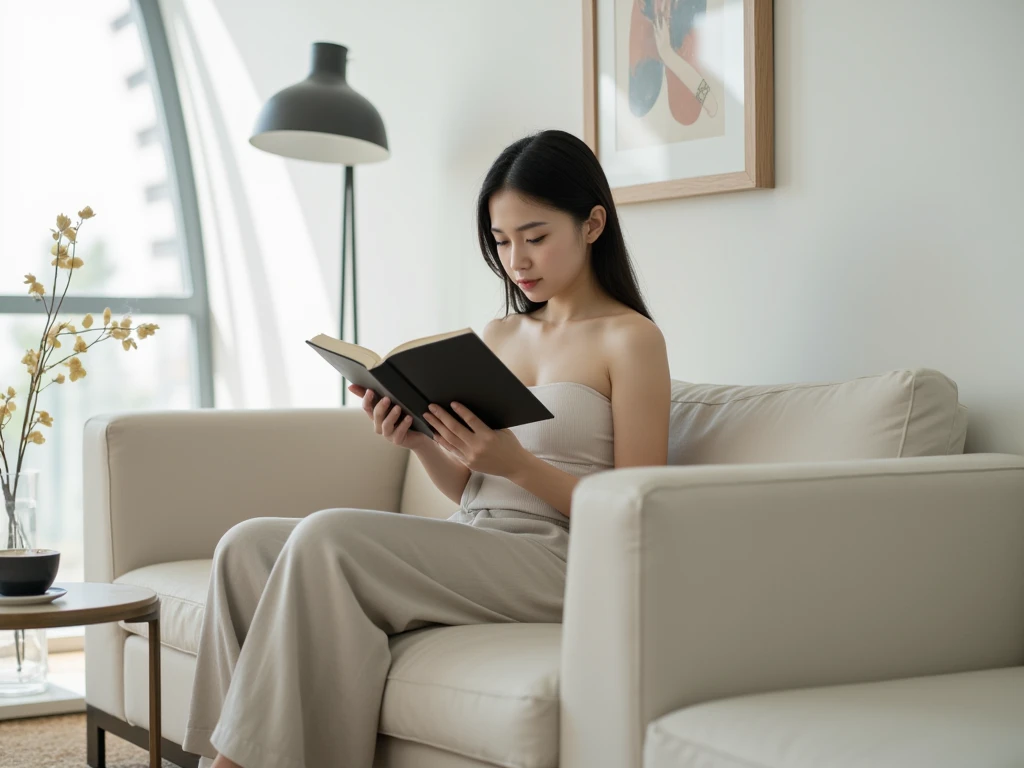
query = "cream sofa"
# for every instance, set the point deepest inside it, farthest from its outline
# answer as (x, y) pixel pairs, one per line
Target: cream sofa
(825, 581)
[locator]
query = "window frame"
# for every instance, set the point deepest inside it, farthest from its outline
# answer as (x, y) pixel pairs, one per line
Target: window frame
(194, 304)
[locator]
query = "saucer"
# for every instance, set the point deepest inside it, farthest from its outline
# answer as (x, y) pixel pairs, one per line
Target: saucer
(47, 597)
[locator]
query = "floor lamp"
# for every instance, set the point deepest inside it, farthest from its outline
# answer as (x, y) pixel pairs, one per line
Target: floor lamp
(322, 119)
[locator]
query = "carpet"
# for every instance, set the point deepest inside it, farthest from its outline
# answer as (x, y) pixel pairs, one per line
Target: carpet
(59, 742)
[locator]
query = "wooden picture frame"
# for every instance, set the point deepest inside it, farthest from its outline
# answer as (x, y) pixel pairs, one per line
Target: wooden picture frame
(723, 158)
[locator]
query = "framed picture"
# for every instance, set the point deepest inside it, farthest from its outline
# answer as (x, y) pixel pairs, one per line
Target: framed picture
(678, 95)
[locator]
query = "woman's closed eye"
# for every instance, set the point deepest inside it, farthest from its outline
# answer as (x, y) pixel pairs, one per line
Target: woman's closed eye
(534, 241)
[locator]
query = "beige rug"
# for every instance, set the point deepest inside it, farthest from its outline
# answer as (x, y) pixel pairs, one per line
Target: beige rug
(59, 742)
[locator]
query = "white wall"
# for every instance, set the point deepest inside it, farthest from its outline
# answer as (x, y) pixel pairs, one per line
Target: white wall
(889, 241)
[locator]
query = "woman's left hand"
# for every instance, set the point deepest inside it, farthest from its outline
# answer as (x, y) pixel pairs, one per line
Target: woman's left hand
(482, 449)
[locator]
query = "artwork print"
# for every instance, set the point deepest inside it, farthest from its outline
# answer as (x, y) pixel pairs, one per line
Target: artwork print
(679, 95)
(669, 55)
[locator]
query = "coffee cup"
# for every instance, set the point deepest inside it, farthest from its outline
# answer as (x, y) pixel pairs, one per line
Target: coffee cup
(27, 571)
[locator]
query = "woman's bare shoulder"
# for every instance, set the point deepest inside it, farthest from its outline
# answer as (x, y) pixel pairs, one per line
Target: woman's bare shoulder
(632, 342)
(630, 328)
(499, 329)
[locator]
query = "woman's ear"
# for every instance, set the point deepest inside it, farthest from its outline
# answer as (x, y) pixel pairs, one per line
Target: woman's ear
(594, 225)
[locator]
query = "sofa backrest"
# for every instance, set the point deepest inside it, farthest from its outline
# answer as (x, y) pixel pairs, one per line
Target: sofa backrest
(911, 412)
(420, 496)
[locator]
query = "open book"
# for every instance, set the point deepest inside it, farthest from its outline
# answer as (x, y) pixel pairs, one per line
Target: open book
(439, 369)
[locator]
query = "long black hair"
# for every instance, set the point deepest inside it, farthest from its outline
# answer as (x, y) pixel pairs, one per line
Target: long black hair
(560, 171)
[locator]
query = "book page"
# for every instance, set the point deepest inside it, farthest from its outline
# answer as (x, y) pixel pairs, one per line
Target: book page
(361, 355)
(425, 340)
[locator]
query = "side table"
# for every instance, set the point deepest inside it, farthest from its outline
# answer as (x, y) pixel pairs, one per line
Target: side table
(95, 603)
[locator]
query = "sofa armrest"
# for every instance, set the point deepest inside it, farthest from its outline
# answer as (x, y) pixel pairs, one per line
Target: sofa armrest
(163, 486)
(687, 584)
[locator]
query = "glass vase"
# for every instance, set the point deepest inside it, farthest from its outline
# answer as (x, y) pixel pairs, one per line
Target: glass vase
(23, 652)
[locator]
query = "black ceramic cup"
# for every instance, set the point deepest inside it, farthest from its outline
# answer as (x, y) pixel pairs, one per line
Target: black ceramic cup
(27, 571)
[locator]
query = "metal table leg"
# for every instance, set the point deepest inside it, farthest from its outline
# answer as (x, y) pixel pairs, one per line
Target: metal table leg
(155, 729)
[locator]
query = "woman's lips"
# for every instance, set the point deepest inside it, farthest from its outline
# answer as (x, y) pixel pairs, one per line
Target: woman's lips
(528, 284)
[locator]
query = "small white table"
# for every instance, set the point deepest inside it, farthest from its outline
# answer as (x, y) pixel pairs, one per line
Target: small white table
(96, 603)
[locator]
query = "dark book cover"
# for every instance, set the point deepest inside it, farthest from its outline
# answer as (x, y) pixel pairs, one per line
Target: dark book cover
(383, 380)
(457, 369)
(463, 369)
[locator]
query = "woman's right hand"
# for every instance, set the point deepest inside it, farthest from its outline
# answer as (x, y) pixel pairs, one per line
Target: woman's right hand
(388, 420)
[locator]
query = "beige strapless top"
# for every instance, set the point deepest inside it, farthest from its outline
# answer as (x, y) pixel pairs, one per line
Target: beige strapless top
(578, 441)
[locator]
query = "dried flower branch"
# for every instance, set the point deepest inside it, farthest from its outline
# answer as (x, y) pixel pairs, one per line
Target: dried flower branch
(39, 363)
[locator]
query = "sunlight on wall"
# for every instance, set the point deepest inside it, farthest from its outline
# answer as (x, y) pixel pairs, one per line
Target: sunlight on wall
(265, 293)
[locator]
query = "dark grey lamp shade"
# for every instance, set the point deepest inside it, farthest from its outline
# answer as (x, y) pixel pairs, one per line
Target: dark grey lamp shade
(322, 118)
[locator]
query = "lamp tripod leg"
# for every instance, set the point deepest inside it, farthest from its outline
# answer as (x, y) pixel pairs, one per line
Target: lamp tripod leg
(348, 238)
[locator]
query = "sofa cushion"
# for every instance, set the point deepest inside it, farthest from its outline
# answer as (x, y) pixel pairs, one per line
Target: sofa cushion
(486, 691)
(177, 675)
(890, 415)
(912, 412)
(182, 587)
(419, 494)
(943, 721)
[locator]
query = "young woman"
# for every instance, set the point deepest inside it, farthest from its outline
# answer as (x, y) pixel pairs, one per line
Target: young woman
(319, 596)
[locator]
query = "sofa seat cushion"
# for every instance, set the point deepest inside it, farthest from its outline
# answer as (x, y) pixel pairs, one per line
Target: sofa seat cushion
(182, 587)
(486, 691)
(943, 721)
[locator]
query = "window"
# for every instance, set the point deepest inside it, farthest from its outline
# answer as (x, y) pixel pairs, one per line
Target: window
(89, 115)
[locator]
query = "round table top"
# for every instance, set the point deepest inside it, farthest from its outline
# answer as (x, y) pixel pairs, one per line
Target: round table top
(85, 603)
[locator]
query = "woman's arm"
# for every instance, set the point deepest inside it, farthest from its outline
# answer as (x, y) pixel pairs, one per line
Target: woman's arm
(641, 392)
(544, 481)
(444, 470)
(641, 388)
(499, 453)
(448, 474)
(388, 419)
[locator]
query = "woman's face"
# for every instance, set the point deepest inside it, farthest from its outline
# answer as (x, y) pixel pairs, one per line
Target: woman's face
(542, 250)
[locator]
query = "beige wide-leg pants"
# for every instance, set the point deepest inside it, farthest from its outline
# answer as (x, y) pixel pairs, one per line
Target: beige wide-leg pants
(293, 653)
